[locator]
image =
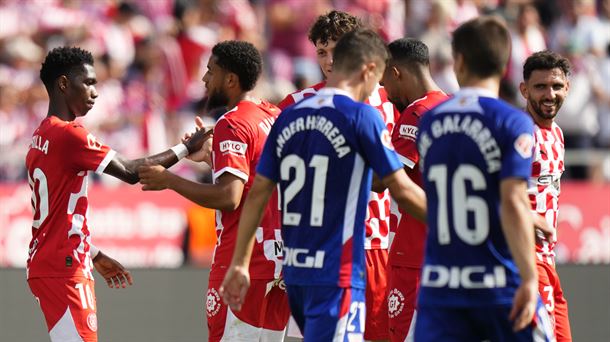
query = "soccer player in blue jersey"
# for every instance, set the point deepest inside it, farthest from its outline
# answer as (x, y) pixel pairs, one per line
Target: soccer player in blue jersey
(320, 151)
(479, 278)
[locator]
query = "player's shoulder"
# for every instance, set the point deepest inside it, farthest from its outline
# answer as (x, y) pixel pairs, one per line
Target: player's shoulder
(299, 95)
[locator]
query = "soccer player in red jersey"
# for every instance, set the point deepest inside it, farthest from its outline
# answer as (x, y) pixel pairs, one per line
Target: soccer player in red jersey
(62, 152)
(545, 86)
(324, 34)
(410, 87)
(239, 136)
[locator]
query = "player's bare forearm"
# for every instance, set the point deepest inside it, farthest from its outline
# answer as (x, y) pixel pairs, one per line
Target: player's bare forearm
(225, 194)
(251, 216)
(127, 170)
(517, 225)
(407, 194)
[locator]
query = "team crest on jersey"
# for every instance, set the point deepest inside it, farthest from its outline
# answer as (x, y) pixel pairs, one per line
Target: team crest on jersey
(386, 139)
(524, 145)
(396, 302)
(408, 131)
(93, 143)
(92, 321)
(234, 147)
(212, 302)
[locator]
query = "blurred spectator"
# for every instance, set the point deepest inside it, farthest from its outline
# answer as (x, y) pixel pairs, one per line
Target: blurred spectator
(291, 54)
(151, 56)
(527, 37)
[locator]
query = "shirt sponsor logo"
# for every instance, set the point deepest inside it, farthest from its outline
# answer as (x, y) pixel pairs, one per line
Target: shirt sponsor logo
(235, 147)
(524, 145)
(408, 131)
(467, 277)
(300, 257)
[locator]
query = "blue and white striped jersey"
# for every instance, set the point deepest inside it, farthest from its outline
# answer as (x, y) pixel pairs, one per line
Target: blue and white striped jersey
(468, 145)
(321, 151)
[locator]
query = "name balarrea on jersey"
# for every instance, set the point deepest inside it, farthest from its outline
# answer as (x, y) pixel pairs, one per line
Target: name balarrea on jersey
(310, 123)
(473, 128)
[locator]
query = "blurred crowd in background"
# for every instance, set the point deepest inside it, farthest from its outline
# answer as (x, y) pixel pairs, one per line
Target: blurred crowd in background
(150, 56)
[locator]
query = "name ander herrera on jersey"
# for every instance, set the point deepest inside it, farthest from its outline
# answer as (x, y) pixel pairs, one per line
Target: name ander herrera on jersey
(310, 123)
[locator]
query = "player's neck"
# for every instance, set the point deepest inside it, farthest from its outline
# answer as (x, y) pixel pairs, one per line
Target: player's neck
(355, 89)
(491, 84)
(60, 111)
(245, 96)
(540, 121)
(421, 89)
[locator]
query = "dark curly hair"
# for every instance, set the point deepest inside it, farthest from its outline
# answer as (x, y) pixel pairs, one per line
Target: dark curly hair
(545, 60)
(240, 58)
(62, 61)
(358, 47)
(409, 50)
(332, 26)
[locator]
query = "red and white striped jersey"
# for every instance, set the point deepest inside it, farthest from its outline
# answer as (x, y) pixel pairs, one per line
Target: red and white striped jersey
(378, 214)
(58, 161)
(544, 186)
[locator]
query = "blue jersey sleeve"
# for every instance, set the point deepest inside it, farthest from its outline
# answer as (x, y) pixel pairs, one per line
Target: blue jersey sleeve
(518, 146)
(268, 162)
(376, 142)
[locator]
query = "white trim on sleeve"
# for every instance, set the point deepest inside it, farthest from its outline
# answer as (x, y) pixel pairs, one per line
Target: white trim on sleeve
(107, 159)
(233, 171)
(408, 162)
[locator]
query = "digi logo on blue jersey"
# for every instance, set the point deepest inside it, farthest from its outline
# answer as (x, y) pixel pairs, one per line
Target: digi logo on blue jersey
(320, 151)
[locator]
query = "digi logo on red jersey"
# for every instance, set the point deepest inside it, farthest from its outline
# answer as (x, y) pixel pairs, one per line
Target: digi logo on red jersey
(235, 147)
(408, 131)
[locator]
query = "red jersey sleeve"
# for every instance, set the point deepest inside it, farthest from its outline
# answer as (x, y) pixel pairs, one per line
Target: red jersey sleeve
(83, 152)
(404, 136)
(231, 150)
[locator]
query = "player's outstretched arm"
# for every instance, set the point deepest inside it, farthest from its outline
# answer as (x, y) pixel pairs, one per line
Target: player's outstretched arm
(517, 225)
(237, 279)
(127, 170)
(114, 273)
(407, 194)
(225, 194)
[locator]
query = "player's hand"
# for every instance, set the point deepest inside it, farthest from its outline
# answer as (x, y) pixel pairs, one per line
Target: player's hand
(524, 305)
(194, 141)
(543, 229)
(114, 273)
(153, 177)
(235, 286)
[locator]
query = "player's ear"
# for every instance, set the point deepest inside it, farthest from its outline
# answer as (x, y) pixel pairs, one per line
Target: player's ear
(523, 90)
(232, 80)
(62, 83)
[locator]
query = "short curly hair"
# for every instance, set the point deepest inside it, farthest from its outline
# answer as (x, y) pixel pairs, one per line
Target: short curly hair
(409, 50)
(62, 61)
(240, 58)
(332, 26)
(358, 47)
(545, 60)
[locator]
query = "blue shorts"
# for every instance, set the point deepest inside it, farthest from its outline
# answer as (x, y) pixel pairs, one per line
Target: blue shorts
(477, 324)
(327, 313)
